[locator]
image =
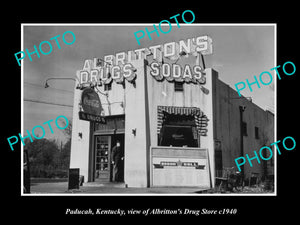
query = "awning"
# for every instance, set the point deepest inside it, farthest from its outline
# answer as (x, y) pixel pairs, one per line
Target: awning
(201, 120)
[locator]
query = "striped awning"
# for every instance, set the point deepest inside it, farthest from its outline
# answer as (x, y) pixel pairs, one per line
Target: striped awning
(201, 120)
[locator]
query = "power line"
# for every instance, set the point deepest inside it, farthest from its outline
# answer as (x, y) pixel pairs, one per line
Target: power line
(40, 86)
(49, 103)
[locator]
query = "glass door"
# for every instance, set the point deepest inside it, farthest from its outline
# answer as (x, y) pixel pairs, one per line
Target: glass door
(102, 158)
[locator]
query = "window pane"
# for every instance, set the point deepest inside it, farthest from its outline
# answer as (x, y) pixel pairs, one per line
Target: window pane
(256, 133)
(178, 136)
(178, 86)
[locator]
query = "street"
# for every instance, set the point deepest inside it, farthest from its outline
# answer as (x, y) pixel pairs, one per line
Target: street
(109, 188)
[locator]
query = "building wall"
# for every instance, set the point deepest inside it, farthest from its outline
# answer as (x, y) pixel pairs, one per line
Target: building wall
(137, 145)
(228, 128)
(162, 93)
(139, 104)
(79, 157)
(114, 104)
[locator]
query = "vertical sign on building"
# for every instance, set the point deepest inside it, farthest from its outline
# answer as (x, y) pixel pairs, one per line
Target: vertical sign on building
(91, 106)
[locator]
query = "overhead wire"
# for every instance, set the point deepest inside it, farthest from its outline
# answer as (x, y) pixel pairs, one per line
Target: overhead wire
(49, 103)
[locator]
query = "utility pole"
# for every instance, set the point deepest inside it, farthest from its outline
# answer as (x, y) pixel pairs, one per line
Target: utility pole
(242, 109)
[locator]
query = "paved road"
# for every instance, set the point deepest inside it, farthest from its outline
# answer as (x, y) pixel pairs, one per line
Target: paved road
(62, 188)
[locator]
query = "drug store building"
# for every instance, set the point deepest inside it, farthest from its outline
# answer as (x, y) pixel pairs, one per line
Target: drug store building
(177, 126)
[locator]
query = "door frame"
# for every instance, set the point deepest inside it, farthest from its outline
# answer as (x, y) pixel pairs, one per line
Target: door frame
(92, 158)
(108, 155)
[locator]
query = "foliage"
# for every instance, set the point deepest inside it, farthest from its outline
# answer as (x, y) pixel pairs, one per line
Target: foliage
(48, 158)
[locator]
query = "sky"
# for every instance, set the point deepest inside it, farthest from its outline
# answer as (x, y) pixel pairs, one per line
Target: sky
(239, 52)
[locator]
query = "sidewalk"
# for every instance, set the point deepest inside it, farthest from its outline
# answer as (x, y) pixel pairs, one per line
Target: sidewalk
(109, 188)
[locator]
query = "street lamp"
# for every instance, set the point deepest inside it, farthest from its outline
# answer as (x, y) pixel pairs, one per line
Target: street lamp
(57, 78)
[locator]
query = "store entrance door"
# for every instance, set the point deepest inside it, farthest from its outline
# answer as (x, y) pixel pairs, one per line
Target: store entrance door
(102, 158)
(104, 169)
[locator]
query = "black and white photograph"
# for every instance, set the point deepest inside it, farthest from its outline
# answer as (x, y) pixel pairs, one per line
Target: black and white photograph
(118, 113)
(177, 112)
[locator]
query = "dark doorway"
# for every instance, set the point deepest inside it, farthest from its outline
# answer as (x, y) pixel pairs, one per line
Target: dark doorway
(104, 139)
(103, 157)
(114, 140)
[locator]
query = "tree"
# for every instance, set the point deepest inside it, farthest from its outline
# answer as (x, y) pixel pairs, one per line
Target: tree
(68, 131)
(65, 153)
(48, 158)
(41, 154)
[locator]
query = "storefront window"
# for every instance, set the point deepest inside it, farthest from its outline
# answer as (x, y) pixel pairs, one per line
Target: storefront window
(178, 131)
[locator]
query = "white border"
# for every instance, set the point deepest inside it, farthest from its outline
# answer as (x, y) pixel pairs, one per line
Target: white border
(22, 113)
(150, 24)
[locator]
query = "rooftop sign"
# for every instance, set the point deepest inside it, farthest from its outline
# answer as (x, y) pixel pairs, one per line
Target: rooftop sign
(117, 67)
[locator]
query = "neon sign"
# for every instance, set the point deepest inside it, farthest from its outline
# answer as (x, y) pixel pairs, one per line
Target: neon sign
(118, 67)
